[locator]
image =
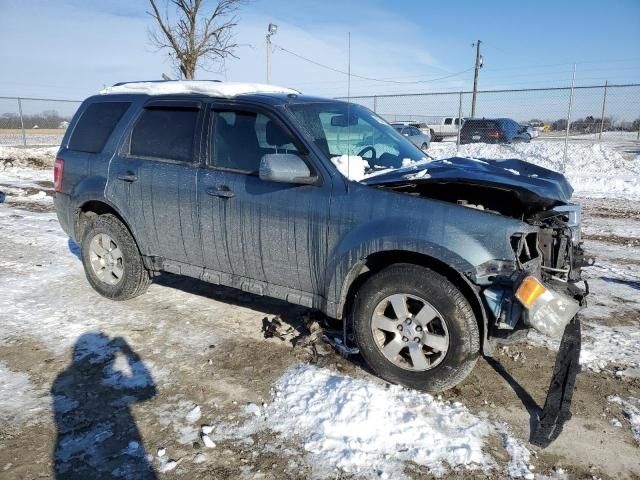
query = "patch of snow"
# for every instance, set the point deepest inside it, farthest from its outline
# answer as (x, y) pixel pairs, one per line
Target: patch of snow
(38, 157)
(208, 442)
(631, 408)
(594, 170)
(372, 429)
(19, 400)
(194, 414)
(602, 345)
(212, 89)
(351, 166)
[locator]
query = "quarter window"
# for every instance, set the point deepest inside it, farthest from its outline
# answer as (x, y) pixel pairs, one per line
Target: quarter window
(241, 138)
(95, 126)
(167, 133)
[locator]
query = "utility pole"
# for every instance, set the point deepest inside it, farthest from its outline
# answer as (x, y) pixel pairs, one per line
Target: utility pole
(475, 78)
(271, 30)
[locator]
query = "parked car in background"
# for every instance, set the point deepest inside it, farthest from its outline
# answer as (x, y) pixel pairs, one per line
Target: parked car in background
(417, 137)
(493, 130)
(532, 130)
(444, 127)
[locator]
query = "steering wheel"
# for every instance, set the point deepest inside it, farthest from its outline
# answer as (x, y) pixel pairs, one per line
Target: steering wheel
(368, 149)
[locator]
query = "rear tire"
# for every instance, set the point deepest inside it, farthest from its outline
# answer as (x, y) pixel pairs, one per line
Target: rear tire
(451, 326)
(111, 259)
(425, 146)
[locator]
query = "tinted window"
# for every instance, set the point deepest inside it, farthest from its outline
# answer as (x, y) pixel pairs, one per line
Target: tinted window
(165, 133)
(241, 138)
(447, 121)
(95, 126)
(480, 125)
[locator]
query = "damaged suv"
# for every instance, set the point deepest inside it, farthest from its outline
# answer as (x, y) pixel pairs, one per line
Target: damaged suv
(324, 204)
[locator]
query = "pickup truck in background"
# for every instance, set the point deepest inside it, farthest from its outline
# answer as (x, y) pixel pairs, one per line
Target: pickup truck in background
(442, 127)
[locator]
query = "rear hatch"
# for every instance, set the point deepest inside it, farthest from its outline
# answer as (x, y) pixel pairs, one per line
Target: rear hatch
(486, 131)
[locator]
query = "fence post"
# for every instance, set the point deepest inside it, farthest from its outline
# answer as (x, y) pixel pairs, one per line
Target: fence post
(604, 104)
(459, 123)
(566, 134)
(375, 104)
(24, 136)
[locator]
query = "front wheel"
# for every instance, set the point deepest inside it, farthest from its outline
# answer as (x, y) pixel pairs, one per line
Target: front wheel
(424, 147)
(112, 263)
(415, 328)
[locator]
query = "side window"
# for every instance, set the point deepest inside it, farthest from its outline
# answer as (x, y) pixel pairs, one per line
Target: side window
(447, 121)
(414, 131)
(241, 138)
(167, 133)
(95, 126)
(457, 121)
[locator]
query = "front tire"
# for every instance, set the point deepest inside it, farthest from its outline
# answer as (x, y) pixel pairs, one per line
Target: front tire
(415, 328)
(112, 263)
(424, 147)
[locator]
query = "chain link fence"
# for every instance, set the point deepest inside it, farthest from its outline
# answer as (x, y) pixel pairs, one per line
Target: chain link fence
(589, 113)
(34, 121)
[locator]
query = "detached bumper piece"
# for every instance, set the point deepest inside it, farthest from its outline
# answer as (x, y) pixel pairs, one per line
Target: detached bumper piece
(557, 406)
(554, 313)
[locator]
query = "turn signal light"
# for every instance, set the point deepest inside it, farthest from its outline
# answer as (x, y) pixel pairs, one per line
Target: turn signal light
(529, 291)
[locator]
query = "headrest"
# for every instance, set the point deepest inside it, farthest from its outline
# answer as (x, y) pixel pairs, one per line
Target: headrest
(276, 135)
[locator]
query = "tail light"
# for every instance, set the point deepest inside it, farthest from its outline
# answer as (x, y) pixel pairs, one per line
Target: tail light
(494, 134)
(57, 174)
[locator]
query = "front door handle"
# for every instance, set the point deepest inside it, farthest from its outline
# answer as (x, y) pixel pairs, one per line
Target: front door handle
(128, 177)
(222, 192)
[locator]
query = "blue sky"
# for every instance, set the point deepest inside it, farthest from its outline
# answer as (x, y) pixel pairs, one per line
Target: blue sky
(71, 48)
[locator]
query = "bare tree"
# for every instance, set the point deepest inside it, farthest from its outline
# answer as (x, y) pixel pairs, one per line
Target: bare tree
(196, 35)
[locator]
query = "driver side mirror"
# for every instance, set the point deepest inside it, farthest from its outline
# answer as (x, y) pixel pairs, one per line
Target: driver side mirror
(285, 168)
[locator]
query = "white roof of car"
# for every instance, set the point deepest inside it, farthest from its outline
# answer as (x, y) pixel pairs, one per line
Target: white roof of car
(203, 87)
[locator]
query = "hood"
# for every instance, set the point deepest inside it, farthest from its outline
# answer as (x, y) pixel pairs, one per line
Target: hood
(533, 184)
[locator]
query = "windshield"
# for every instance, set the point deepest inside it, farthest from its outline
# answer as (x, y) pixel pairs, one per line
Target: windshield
(356, 140)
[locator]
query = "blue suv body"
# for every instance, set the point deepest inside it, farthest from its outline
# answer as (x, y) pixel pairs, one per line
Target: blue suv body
(320, 203)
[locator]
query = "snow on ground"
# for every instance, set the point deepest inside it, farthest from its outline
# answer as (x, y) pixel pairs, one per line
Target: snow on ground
(373, 429)
(596, 170)
(631, 408)
(12, 157)
(20, 402)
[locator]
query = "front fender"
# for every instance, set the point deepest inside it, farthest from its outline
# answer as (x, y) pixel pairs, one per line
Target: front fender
(346, 263)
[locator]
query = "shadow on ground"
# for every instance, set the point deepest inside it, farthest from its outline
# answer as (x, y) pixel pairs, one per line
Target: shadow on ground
(97, 436)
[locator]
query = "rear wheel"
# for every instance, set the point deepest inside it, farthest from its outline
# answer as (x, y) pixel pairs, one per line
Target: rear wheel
(414, 327)
(424, 146)
(112, 263)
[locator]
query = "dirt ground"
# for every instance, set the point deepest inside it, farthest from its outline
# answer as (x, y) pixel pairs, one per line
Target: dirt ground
(204, 345)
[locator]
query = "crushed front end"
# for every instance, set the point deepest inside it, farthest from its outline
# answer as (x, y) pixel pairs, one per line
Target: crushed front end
(542, 287)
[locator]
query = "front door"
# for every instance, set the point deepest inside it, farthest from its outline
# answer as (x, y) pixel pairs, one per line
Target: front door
(260, 230)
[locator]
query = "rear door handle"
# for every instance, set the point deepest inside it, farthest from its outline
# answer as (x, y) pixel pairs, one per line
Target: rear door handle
(128, 177)
(222, 192)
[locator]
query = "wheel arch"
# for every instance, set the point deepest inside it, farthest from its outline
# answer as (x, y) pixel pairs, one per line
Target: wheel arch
(91, 208)
(377, 261)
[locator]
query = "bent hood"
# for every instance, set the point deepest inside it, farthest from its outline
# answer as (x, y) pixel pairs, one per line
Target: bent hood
(533, 184)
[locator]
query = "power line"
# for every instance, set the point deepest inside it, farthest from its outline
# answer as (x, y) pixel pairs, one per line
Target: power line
(398, 82)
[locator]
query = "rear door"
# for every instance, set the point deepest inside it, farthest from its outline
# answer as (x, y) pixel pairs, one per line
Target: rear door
(256, 229)
(153, 179)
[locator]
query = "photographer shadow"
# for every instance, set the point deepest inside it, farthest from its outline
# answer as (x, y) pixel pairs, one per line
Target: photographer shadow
(97, 436)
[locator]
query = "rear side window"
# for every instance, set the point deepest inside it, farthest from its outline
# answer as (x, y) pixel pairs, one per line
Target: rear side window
(95, 126)
(167, 133)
